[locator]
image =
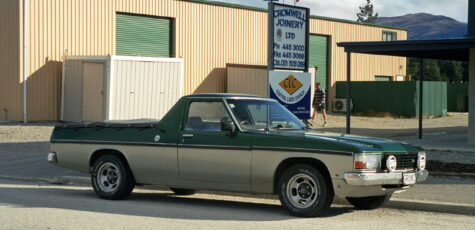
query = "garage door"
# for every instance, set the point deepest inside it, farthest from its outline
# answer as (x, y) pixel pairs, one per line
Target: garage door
(318, 57)
(138, 35)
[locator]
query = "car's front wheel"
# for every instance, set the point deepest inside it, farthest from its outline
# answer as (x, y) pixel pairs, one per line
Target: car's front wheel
(369, 202)
(304, 192)
(111, 178)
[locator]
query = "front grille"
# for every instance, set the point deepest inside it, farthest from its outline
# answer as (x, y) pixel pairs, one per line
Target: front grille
(404, 160)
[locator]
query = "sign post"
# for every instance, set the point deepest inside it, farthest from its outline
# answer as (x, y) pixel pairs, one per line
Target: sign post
(288, 49)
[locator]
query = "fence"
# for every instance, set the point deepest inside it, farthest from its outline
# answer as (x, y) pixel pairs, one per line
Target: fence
(397, 98)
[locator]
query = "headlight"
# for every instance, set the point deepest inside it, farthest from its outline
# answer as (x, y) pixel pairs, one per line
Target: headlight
(421, 160)
(367, 161)
(391, 163)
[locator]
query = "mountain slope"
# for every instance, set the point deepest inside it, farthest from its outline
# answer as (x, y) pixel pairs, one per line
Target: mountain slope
(426, 26)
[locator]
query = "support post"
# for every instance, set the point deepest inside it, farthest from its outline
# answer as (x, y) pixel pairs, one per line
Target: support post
(348, 81)
(421, 84)
(471, 96)
(25, 37)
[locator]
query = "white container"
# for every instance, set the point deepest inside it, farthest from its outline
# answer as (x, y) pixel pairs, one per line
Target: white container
(98, 88)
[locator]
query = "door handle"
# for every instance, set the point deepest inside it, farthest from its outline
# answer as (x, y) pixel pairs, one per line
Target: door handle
(187, 135)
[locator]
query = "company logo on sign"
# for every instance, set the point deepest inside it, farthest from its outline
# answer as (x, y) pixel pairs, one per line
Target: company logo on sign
(292, 90)
(290, 84)
(279, 34)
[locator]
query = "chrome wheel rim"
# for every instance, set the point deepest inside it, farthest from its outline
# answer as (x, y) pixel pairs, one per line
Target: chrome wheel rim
(302, 190)
(108, 177)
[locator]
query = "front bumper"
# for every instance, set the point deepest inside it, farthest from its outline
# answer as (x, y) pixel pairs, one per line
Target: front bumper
(394, 178)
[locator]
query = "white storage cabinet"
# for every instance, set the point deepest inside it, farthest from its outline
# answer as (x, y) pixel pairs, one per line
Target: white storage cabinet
(100, 88)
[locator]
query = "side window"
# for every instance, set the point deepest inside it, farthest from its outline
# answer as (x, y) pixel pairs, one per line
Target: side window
(206, 116)
(389, 36)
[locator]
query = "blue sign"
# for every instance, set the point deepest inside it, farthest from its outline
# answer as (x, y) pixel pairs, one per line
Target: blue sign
(292, 90)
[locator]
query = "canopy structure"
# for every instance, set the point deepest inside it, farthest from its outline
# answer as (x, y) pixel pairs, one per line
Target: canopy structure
(445, 49)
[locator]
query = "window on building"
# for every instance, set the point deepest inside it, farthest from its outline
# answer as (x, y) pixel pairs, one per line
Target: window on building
(389, 36)
(382, 78)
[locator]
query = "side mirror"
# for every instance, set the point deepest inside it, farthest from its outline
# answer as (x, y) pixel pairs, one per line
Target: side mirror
(228, 125)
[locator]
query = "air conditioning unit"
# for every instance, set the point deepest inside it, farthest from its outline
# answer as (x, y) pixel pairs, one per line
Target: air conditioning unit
(339, 105)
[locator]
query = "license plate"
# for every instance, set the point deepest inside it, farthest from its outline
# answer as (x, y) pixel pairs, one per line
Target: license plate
(408, 178)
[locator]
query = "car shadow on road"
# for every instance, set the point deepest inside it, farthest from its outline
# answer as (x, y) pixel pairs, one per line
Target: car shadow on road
(148, 204)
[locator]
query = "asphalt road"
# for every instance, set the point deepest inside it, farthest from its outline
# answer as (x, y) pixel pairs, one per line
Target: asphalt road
(450, 189)
(25, 205)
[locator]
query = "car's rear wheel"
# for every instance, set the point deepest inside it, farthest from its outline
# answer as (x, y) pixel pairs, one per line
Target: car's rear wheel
(304, 192)
(369, 202)
(111, 178)
(183, 191)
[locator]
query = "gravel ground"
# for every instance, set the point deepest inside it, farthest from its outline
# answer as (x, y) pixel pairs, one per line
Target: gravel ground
(14, 132)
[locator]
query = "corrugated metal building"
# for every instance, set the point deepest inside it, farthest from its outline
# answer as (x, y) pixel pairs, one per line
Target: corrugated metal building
(207, 35)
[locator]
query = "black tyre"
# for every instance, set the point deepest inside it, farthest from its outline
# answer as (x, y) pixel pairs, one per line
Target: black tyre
(304, 192)
(111, 178)
(182, 191)
(369, 202)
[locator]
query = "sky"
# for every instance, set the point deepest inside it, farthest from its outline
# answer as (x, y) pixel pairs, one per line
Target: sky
(347, 9)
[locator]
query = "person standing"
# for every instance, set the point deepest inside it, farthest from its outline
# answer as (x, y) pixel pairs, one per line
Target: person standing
(319, 103)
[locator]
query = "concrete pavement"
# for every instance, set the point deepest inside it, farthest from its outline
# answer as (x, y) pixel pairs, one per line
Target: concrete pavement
(28, 160)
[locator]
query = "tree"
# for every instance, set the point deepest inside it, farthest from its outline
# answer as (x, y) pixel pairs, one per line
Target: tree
(366, 13)
(438, 70)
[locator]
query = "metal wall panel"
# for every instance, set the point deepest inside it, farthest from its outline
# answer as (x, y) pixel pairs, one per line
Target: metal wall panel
(247, 80)
(11, 83)
(58, 28)
(206, 36)
(141, 89)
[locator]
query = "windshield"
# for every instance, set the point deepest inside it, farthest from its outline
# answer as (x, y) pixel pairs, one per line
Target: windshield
(262, 114)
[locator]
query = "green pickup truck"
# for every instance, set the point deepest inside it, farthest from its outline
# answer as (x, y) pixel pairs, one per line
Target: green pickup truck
(238, 143)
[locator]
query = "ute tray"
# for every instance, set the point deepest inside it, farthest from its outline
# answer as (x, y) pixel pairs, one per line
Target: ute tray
(137, 123)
